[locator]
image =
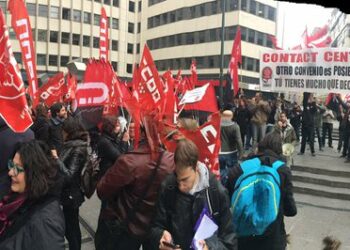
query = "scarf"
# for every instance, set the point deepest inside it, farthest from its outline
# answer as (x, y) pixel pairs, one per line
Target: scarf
(8, 206)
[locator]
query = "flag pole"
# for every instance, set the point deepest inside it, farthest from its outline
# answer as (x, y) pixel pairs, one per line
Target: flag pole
(221, 92)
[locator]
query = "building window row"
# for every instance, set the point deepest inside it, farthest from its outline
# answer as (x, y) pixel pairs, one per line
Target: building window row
(67, 14)
(69, 38)
(211, 35)
(206, 62)
(153, 2)
(212, 8)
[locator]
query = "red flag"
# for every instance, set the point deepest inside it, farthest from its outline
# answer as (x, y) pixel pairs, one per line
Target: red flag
(170, 110)
(236, 57)
(194, 76)
(149, 88)
(207, 139)
(53, 90)
(13, 103)
(71, 87)
(208, 103)
(274, 42)
(21, 25)
(103, 35)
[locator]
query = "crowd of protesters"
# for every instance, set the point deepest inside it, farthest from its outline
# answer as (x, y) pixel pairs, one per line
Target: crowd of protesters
(146, 201)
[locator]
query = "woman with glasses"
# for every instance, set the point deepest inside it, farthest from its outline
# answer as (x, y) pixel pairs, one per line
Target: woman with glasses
(30, 215)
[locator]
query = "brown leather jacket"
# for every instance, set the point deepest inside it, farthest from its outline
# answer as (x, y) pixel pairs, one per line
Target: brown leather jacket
(126, 180)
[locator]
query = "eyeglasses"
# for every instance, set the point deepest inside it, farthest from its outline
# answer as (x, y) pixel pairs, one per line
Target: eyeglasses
(16, 168)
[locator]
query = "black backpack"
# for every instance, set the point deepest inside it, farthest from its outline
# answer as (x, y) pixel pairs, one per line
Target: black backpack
(90, 172)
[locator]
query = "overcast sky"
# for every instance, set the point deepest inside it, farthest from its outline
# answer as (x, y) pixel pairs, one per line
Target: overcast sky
(296, 17)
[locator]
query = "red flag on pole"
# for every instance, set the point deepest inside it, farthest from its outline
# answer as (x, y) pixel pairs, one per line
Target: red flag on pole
(21, 25)
(53, 90)
(274, 42)
(236, 57)
(13, 103)
(194, 76)
(71, 87)
(103, 35)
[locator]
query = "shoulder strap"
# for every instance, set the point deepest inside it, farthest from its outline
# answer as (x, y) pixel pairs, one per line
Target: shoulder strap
(132, 212)
(277, 164)
(212, 201)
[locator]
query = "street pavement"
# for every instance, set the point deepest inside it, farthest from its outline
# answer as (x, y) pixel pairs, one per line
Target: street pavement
(317, 217)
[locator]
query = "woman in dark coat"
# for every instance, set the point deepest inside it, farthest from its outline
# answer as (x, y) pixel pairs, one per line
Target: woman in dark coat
(31, 217)
(112, 143)
(242, 117)
(73, 157)
(41, 124)
(274, 237)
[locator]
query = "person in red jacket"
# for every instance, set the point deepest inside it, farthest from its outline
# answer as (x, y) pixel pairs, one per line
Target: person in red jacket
(130, 188)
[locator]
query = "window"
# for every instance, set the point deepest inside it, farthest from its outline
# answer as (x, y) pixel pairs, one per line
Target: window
(244, 33)
(76, 39)
(271, 13)
(42, 35)
(130, 48)
(115, 66)
(115, 45)
(231, 5)
(18, 57)
(115, 23)
(52, 60)
(64, 60)
(43, 10)
(261, 10)
(86, 41)
(244, 5)
(251, 36)
(54, 12)
(76, 15)
(65, 37)
(41, 59)
(97, 19)
(96, 42)
(138, 48)
(138, 27)
(252, 8)
(131, 27)
(108, 2)
(260, 37)
(201, 36)
(116, 3)
(140, 6)
(3, 6)
(53, 36)
(66, 14)
(129, 68)
(131, 6)
(31, 9)
(87, 17)
(172, 17)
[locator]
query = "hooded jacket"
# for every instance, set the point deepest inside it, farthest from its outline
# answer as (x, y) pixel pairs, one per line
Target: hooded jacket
(178, 212)
(287, 133)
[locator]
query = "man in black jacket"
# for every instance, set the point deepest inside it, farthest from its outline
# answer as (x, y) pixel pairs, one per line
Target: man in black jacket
(58, 115)
(308, 123)
(183, 196)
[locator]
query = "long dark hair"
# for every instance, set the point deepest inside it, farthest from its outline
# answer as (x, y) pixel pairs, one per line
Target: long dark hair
(40, 172)
(74, 129)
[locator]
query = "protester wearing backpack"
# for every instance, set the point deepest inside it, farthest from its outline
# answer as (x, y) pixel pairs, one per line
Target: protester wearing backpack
(73, 157)
(183, 197)
(261, 194)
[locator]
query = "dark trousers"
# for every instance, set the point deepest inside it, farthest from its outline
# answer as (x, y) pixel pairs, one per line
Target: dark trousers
(110, 236)
(319, 138)
(296, 126)
(248, 136)
(346, 142)
(327, 128)
(307, 134)
(341, 138)
(226, 162)
(73, 234)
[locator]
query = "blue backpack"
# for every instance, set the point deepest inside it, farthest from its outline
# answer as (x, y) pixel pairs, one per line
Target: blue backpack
(256, 198)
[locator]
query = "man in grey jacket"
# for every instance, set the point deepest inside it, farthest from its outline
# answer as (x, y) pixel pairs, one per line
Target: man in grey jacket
(231, 144)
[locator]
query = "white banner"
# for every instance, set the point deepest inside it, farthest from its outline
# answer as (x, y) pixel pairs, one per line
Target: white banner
(194, 95)
(321, 71)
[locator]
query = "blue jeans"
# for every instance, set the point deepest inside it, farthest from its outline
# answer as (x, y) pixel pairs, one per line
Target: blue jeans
(227, 161)
(259, 131)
